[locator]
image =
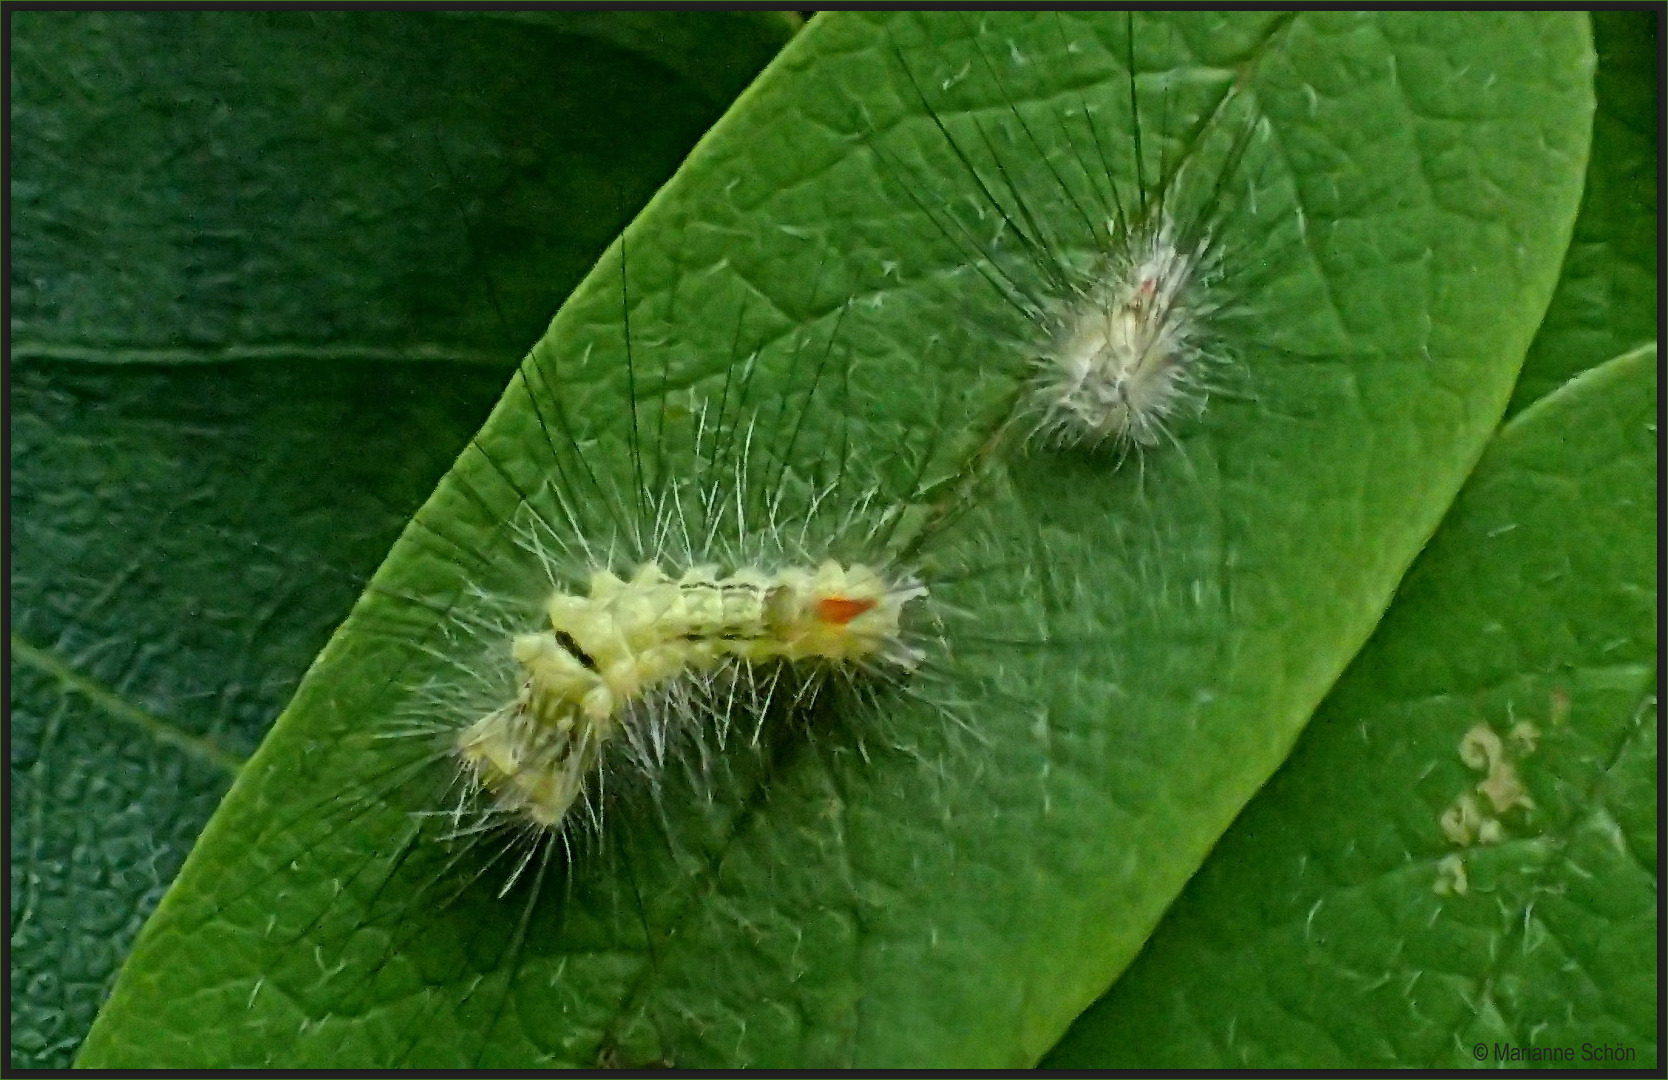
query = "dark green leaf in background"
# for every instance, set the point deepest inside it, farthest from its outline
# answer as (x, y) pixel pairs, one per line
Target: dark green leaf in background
(269, 271)
(336, 186)
(935, 908)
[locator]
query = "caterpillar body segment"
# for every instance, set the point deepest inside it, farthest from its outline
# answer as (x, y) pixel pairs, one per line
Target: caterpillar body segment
(612, 659)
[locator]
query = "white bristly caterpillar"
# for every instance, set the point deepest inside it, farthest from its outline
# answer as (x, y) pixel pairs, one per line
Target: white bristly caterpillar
(1121, 262)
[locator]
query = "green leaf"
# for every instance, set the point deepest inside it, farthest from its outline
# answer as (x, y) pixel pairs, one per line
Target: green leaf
(259, 302)
(1338, 924)
(1239, 974)
(936, 899)
(1607, 297)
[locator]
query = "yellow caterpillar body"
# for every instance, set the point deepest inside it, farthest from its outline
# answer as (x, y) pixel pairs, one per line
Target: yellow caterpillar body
(606, 650)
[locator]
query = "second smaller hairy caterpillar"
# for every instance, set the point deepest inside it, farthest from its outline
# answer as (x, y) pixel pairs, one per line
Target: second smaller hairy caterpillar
(1124, 353)
(1110, 237)
(612, 657)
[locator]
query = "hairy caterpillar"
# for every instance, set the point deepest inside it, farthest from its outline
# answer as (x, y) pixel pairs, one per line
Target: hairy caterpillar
(607, 651)
(1122, 263)
(721, 588)
(733, 552)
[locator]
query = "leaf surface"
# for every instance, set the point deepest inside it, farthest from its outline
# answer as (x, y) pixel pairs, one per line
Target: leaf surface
(1139, 648)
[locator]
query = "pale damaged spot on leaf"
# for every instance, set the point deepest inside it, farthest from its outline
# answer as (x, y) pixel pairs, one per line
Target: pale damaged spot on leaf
(1466, 821)
(1451, 878)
